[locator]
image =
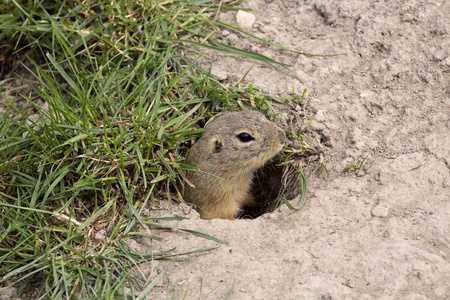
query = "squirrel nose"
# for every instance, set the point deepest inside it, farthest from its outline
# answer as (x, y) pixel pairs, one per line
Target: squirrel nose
(281, 135)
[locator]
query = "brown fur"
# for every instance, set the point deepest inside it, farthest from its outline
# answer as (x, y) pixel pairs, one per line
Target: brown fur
(227, 164)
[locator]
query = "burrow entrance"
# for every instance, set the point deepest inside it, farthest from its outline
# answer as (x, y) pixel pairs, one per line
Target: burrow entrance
(266, 188)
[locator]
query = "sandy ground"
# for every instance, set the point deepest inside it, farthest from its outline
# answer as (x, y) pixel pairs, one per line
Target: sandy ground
(380, 233)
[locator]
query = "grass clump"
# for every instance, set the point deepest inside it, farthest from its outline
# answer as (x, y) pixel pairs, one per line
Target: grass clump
(123, 94)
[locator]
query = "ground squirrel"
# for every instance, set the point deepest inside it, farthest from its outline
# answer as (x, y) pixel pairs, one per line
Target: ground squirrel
(231, 149)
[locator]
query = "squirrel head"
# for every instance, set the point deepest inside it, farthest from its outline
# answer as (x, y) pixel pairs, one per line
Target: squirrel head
(237, 142)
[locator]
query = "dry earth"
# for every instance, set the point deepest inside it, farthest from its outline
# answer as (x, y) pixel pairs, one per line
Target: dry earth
(380, 233)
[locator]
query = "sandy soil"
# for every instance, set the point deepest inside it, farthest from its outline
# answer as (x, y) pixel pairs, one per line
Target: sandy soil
(380, 233)
(383, 232)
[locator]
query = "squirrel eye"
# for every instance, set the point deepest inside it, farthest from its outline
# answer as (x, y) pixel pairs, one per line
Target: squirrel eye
(245, 137)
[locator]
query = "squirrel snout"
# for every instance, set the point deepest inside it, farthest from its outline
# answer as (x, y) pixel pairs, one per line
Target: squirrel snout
(281, 136)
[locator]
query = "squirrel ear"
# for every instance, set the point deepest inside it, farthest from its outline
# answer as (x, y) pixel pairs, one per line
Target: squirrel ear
(216, 145)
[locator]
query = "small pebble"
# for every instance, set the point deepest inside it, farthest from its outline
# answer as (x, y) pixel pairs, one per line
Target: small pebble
(8, 292)
(245, 19)
(408, 18)
(380, 211)
(45, 106)
(319, 113)
(100, 235)
(360, 145)
(350, 283)
(272, 216)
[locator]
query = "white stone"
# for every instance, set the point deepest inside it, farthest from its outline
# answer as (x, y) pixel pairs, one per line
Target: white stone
(45, 106)
(100, 235)
(380, 211)
(245, 19)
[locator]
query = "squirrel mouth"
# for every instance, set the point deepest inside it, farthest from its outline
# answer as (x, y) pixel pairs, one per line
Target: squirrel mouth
(280, 147)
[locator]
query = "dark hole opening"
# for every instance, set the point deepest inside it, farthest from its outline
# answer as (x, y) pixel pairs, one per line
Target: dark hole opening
(266, 187)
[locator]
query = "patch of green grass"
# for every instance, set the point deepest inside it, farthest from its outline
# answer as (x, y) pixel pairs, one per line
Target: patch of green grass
(125, 94)
(358, 164)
